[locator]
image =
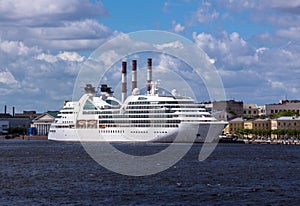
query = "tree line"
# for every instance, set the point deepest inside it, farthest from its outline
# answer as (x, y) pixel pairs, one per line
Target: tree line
(267, 133)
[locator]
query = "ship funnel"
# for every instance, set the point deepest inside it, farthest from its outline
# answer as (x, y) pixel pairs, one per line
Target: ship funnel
(134, 79)
(124, 81)
(149, 75)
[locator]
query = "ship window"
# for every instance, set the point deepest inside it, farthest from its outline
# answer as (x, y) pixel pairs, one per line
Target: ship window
(89, 106)
(112, 102)
(142, 98)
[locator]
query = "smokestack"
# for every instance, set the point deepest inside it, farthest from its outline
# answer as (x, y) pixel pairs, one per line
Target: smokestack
(149, 75)
(5, 109)
(124, 81)
(134, 81)
(13, 111)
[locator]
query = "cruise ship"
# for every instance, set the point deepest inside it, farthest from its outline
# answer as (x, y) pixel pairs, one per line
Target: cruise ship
(150, 117)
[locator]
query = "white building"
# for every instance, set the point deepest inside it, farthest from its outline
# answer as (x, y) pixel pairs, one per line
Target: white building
(42, 123)
(4, 125)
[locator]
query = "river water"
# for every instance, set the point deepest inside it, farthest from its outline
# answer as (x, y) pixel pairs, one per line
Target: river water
(55, 173)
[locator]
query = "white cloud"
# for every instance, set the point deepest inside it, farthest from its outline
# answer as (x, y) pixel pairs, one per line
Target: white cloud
(265, 73)
(16, 48)
(41, 43)
(229, 48)
(54, 25)
(205, 13)
(66, 56)
(49, 11)
(46, 57)
(290, 33)
(172, 45)
(7, 78)
(33, 73)
(177, 27)
(71, 56)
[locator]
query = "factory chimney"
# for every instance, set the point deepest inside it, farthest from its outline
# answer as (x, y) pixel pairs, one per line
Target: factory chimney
(149, 75)
(13, 111)
(124, 81)
(5, 109)
(134, 79)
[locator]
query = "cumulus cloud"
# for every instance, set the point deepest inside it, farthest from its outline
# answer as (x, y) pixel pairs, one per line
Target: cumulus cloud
(177, 27)
(205, 13)
(66, 56)
(41, 47)
(229, 48)
(7, 78)
(54, 25)
(49, 12)
(31, 74)
(171, 45)
(246, 69)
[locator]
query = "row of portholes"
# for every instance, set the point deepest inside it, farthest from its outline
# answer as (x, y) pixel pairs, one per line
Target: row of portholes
(134, 132)
(139, 132)
(160, 132)
(111, 131)
(67, 122)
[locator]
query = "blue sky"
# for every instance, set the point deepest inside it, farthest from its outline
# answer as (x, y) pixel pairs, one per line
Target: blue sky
(255, 44)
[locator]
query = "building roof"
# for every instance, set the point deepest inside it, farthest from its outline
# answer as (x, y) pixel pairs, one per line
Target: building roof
(5, 115)
(53, 113)
(261, 120)
(250, 106)
(46, 116)
(238, 119)
(288, 118)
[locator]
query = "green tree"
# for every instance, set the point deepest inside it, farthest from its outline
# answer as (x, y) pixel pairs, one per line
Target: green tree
(286, 113)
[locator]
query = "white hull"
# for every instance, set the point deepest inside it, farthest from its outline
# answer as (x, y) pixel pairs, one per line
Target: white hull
(205, 132)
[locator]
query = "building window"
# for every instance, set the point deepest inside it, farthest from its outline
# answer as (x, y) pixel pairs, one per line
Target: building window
(272, 111)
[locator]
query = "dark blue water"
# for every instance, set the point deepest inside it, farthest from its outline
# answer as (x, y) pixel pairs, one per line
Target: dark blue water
(52, 173)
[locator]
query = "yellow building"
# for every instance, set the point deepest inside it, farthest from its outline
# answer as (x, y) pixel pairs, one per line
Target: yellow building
(235, 124)
(289, 123)
(248, 124)
(262, 124)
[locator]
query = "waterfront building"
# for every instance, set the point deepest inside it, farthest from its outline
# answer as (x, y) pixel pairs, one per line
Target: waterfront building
(250, 110)
(43, 122)
(232, 108)
(289, 123)
(17, 120)
(27, 114)
(261, 124)
(288, 105)
(234, 125)
(285, 125)
(4, 125)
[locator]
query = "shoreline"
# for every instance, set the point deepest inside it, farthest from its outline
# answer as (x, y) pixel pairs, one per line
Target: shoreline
(2, 137)
(274, 142)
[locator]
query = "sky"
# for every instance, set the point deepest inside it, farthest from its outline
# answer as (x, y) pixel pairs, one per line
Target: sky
(254, 45)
